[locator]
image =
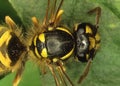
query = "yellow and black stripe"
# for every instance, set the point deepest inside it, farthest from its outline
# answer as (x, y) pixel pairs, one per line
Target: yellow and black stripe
(56, 43)
(12, 50)
(87, 41)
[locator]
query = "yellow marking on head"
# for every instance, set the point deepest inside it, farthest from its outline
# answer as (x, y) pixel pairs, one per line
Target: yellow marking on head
(97, 37)
(44, 53)
(76, 27)
(67, 55)
(4, 37)
(36, 52)
(5, 60)
(34, 41)
(42, 37)
(97, 46)
(92, 43)
(64, 29)
(87, 56)
(88, 29)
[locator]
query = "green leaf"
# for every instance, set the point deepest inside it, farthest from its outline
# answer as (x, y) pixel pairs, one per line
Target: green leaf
(105, 67)
(7, 9)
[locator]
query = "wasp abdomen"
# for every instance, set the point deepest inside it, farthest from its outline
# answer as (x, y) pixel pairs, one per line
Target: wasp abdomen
(15, 48)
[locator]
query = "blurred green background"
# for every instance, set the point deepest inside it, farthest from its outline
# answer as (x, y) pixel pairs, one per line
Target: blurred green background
(105, 69)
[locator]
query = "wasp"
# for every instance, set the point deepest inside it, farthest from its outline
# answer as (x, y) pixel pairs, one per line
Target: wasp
(12, 50)
(52, 43)
(87, 41)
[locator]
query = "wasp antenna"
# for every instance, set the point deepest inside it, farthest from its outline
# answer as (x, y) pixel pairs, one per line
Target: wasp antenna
(96, 10)
(59, 6)
(52, 12)
(58, 9)
(35, 21)
(10, 22)
(54, 75)
(55, 18)
(46, 15)
(60, 64)
(85, 72)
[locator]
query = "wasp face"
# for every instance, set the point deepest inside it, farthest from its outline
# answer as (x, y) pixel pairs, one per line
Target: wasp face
(87, 41)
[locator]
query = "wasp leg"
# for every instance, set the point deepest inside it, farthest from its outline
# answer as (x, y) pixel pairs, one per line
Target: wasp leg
(60, 64)
(19, 74)
(37, 25)
(10, 22)
(96, 10)
(43, 67)
(56, 14)
(62, 79)
(85, 72)
(54, 74)
(35, 22)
